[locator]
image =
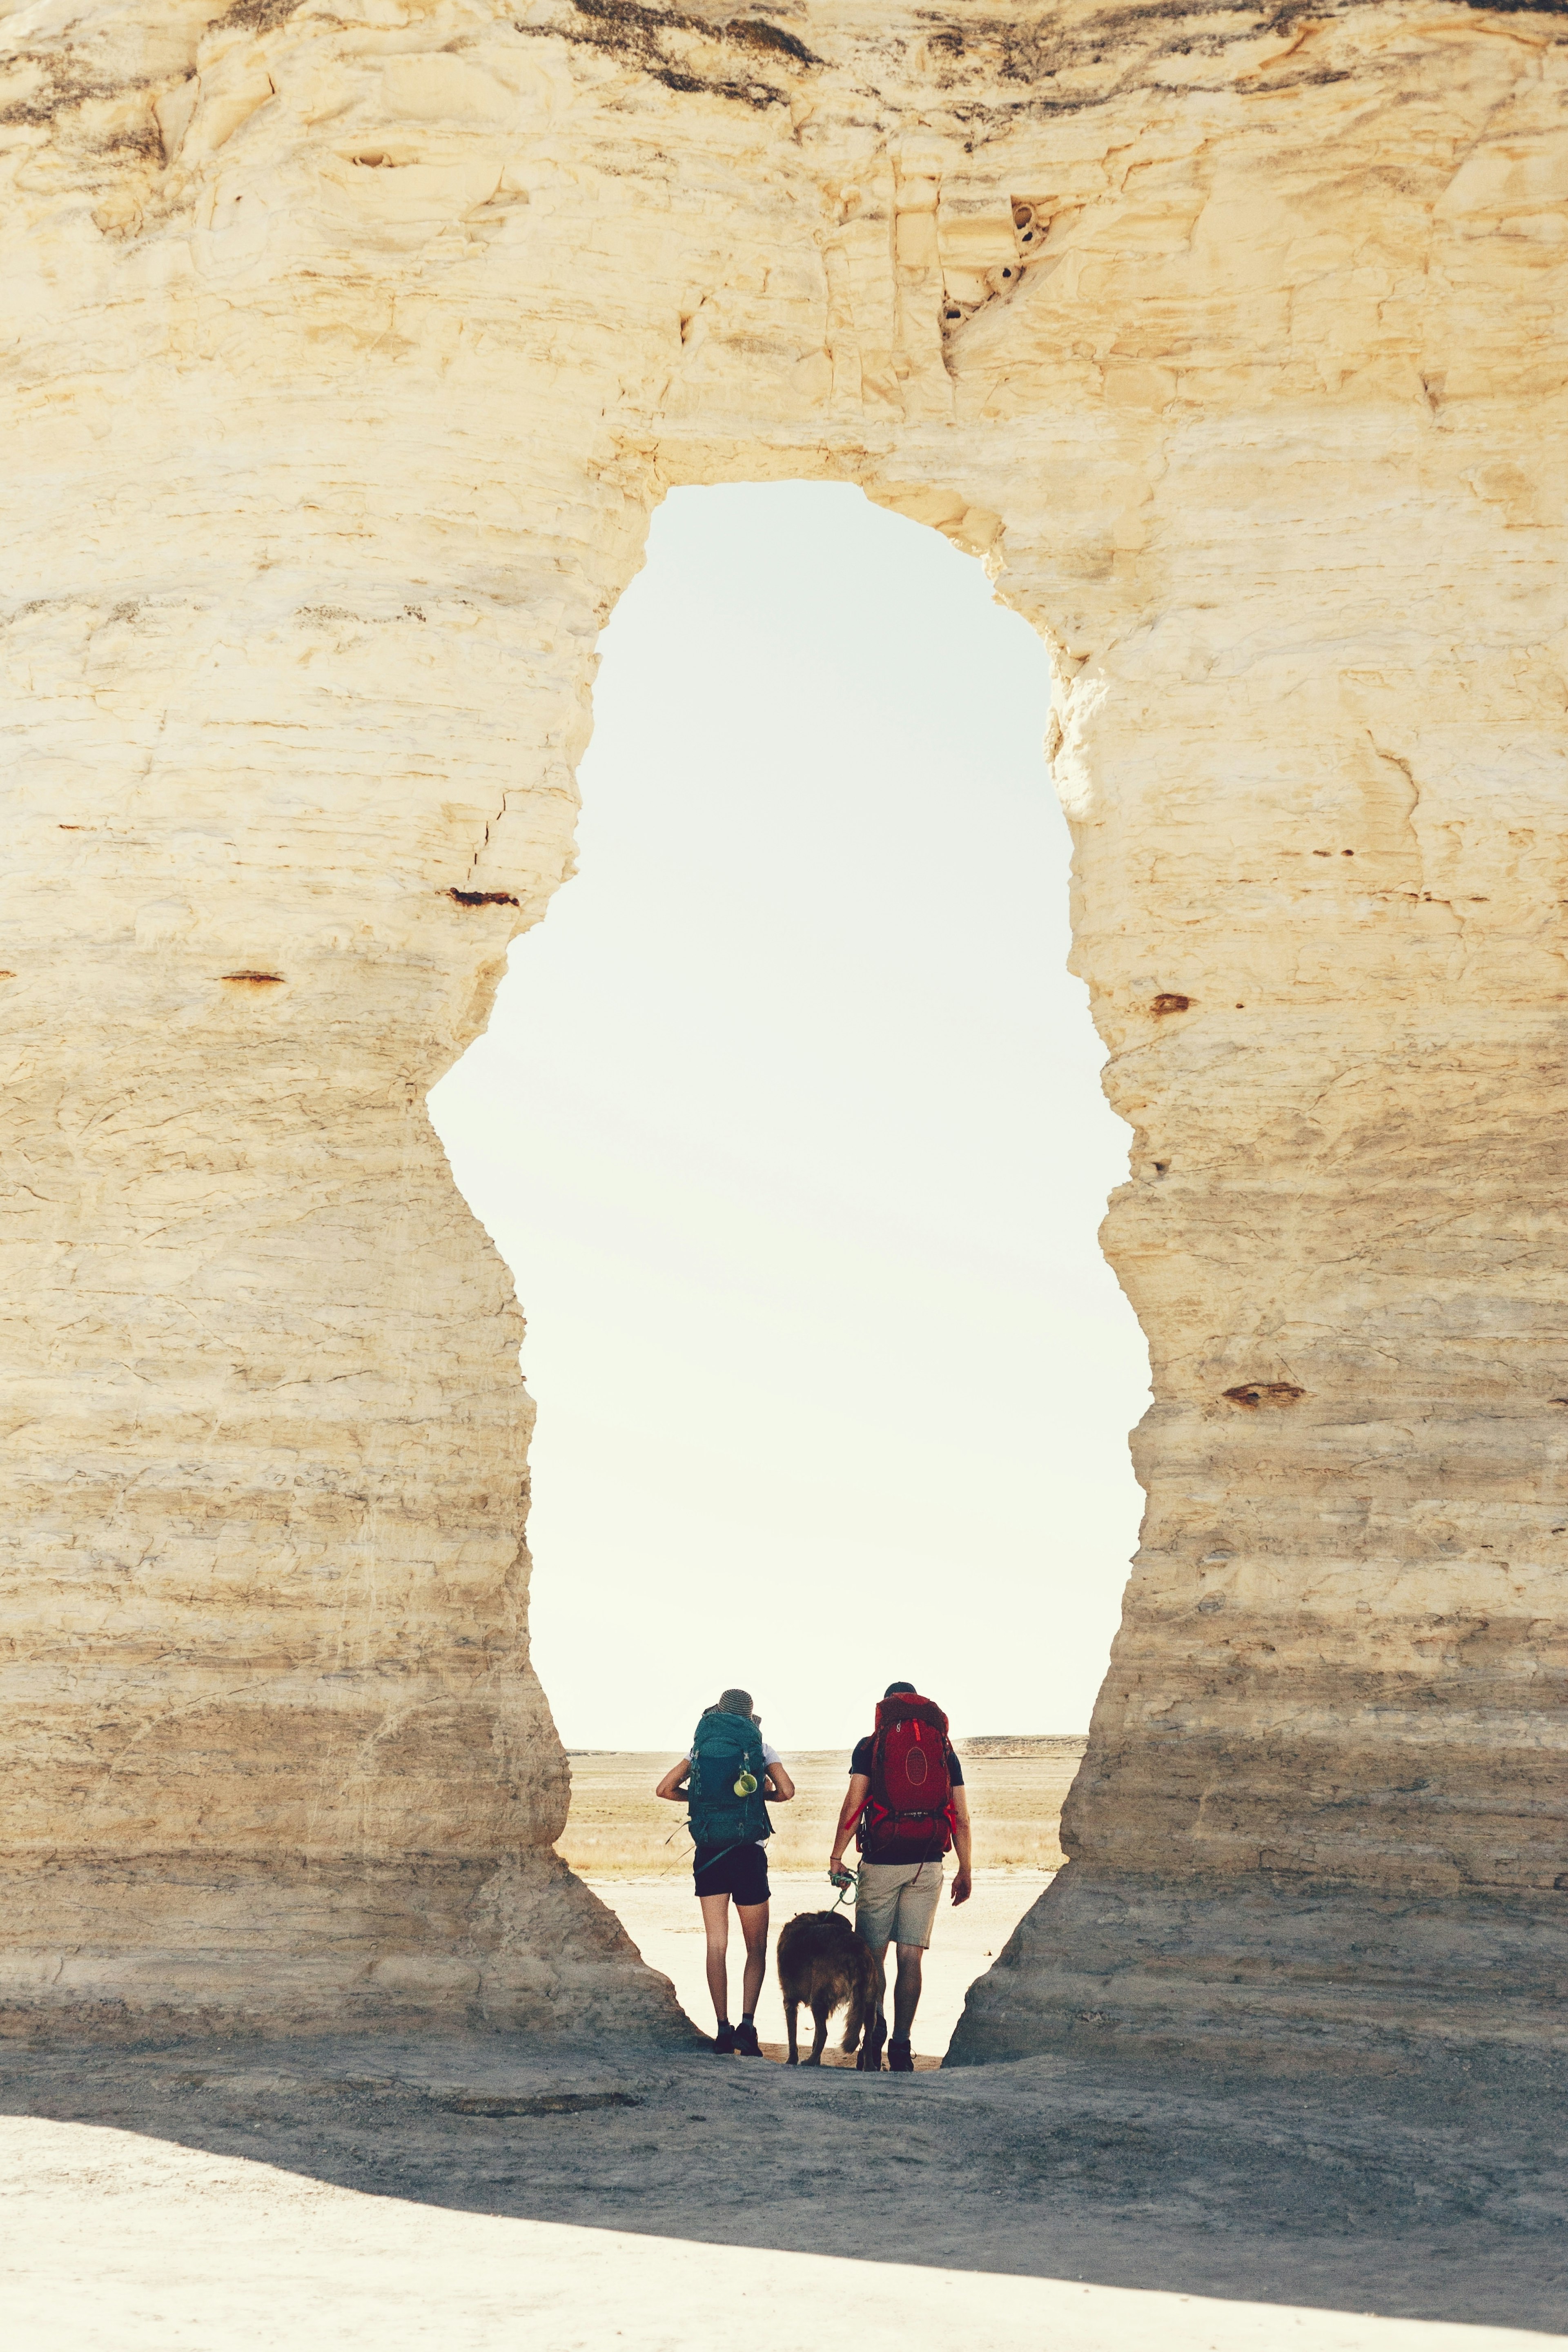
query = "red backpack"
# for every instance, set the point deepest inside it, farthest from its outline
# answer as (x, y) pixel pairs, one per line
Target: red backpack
(911, 1789)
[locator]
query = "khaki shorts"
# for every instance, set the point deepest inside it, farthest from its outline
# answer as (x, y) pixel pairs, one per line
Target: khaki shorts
(894, 1902)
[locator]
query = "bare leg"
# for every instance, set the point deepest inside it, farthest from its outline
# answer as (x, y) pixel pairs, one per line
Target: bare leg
(870, 2059)
(791, 2008)
(907, 1990)
(716, 1925)
(753, 1918)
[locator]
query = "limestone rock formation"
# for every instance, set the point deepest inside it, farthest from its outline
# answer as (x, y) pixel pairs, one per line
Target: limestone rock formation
(347, 346)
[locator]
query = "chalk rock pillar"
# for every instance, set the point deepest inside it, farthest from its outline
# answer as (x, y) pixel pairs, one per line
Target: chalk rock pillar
(346, 350)
(271, 1745)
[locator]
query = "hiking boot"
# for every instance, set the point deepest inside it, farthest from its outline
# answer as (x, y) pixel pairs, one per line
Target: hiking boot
(870, 2061)
(901, 2057)
(725, 2042)
(746, 2043)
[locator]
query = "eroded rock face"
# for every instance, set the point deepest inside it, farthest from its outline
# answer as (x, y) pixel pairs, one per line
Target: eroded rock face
(347, 351)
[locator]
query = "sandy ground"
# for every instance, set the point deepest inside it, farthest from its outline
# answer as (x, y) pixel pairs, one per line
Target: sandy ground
(662, 1919)
(484, 2191)
(488, 2192)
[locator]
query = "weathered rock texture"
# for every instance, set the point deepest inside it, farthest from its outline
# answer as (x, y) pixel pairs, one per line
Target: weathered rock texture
(347, 345)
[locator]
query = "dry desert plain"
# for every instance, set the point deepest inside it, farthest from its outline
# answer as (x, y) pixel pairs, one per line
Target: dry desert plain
(636, 1854)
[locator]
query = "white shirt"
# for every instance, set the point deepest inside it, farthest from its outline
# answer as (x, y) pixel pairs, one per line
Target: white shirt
(769, 1756)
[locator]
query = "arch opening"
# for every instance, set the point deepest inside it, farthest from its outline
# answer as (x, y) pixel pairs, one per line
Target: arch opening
(788, 1123)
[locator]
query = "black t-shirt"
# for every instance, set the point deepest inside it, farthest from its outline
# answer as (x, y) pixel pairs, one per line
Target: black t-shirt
(903, 1849)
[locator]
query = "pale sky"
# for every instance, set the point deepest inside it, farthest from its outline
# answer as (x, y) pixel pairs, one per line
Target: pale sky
(788, 1123)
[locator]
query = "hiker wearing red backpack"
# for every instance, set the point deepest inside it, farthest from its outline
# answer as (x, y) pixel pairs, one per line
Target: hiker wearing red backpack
(906, 1802)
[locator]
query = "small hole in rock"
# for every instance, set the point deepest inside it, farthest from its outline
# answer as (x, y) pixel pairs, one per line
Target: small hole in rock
(483, 897)
(1250, 1394)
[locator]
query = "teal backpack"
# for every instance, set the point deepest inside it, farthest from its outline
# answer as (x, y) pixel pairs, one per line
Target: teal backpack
(726, 1749)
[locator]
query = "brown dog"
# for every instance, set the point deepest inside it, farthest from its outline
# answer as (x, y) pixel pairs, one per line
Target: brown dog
(823, 1963)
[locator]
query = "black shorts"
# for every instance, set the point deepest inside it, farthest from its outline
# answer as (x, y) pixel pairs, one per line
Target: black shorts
(738, 1870)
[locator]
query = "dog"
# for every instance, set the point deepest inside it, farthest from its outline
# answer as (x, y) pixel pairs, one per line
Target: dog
(823, 1962)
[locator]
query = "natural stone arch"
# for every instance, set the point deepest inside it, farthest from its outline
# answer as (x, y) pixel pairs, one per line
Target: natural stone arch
(354, 347)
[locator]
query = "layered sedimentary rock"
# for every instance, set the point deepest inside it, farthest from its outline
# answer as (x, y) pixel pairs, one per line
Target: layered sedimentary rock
(346, 350)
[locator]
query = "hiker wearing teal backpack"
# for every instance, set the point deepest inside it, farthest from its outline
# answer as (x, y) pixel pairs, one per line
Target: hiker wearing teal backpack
(722, 1779)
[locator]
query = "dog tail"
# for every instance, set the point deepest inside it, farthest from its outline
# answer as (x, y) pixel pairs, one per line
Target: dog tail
(855, 2020)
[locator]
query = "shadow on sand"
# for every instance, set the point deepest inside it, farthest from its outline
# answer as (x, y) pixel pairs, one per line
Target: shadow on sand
(1440, 2194)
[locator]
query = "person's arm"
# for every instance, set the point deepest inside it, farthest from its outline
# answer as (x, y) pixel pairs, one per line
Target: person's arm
(777, 1784)
(673, 1784)
(963, 1885)
(854, 1805)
